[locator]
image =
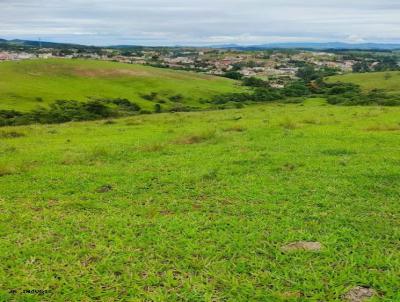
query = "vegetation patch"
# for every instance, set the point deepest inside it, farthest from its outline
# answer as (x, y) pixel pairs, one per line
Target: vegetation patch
(235, 128)
(338, 152)
(289, 124)
(63, 111)
(156, 147)
(208, 221)
(383, 128)
(60, 79)
(196, 138)
(104, 188)
(311, 121)
(7, 170)
(11, 134)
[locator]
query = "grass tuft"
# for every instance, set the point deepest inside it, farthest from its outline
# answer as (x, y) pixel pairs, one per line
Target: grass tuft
(156, 147)
(196, 138)
(289, 124)
(11, 134)
(383, 128)
(7, 170)
(235, 128)
(338, 152)
(311, 121)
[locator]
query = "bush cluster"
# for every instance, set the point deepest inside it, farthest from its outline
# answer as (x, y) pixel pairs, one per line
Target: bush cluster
(374, 97)
(335, 93)
(62, 111)
(264, 94)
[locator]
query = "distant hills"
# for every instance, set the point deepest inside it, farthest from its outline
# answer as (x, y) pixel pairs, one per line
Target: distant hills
(316, 46)
(28, 43)
(294, 45)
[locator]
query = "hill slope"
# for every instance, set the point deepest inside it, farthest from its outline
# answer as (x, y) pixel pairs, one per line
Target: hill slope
(198, 206)
(388, 81)
(26, 84)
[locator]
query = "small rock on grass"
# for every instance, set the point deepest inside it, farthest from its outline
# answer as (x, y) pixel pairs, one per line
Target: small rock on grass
(359, 294)
(302, 246)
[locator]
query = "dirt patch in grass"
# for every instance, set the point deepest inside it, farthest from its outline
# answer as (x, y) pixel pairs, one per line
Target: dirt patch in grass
(359, 294)
(95, 73)
(302, 246)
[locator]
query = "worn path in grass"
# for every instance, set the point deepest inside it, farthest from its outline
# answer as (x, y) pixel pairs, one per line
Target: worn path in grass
(200, 206)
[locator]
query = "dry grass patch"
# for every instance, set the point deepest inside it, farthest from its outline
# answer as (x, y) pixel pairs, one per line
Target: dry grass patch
(7, 170)
(134, 122)
(359, 294)
(11, 134)
(196, 138)
(383, 128)
(95, 155)
(72, 158)
(292, 295)
(94, 73)
(157, 147)
(235, 128)
(289, 124)
(311, 121)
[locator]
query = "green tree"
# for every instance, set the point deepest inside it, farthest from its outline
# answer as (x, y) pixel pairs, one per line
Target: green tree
(233, 75)
(307, 74)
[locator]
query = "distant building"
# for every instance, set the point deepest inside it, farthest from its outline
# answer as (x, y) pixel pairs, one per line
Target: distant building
(4, 56)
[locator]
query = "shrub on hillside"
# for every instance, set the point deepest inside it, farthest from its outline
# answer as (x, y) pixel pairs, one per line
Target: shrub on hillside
(62, 111)
(254, 82)
(178, 98)
(157, 108)
(150, 97)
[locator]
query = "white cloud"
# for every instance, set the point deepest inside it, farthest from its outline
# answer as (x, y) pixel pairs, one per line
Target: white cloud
(196, 22)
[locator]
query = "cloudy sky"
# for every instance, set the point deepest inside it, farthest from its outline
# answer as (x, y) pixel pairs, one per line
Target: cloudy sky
(200, 22)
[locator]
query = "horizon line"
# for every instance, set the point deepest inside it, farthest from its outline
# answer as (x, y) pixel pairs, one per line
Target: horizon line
(39, 40)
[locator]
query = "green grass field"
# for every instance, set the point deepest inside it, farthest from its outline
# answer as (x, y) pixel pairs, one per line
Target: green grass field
(388, 81)
(198, 206)
(23, 84)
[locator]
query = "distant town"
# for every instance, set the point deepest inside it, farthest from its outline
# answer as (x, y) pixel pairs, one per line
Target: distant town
(278, 67)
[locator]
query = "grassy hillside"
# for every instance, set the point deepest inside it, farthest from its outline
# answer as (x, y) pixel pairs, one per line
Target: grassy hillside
(201, 206)
(25, 85)
(388, 81)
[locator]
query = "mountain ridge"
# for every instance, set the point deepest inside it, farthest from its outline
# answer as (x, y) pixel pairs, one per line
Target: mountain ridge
(286, 45)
